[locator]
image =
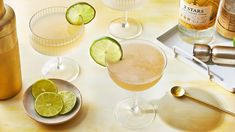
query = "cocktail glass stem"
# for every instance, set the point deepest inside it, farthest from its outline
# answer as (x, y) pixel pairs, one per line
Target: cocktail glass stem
(125, 24)
(135, 107)
(61, 68)
(134, 113)
(125, 27)
(59, 63)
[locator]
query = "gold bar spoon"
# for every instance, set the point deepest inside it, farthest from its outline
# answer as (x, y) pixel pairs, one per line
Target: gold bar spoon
(179, 92)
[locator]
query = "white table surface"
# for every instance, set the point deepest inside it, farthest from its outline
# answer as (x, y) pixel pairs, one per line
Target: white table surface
(100, 94)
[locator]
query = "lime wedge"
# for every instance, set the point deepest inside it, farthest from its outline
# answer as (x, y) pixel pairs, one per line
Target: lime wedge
(80, 12)
(106, 48)
(48, 104)
(43, 85)
(69, 99)
(234, 42)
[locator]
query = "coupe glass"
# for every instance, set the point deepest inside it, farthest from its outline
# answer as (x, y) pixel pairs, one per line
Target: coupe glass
(52, 35)
(125, 27)
(141, 67)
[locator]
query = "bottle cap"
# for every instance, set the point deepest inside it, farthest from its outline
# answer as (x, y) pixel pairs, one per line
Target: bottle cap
(7, 22)
(202, 52)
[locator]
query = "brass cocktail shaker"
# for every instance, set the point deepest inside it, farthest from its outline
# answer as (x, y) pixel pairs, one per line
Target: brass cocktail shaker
(10, 73)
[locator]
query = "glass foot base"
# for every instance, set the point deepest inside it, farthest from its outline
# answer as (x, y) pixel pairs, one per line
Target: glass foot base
(67, 70)
(119, 29)
(134, 117)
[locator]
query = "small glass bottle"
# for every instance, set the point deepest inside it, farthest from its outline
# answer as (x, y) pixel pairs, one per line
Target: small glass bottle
(226, 20)
(197, 19)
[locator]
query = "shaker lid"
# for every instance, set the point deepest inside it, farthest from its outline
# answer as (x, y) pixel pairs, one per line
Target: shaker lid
(202, 52)
(7, 22)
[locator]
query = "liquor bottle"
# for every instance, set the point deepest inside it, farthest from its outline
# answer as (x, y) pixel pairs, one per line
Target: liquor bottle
(10, 73)
(226, 20)
(197, 19)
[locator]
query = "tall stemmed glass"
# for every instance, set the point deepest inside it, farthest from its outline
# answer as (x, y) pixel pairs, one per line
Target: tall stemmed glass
(125, 27)
(52, 35)
(141, 67)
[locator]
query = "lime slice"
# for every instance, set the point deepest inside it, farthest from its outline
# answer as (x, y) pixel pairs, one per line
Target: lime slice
(234, 42)
(106, 48)
(69, 99)
(80, 12)
(43, 85)
(48, 104)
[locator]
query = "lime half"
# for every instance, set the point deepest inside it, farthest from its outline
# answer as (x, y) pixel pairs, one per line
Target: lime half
(43, 85)
(69, 99)
(106, 48)
(48, 104)
(80, 12)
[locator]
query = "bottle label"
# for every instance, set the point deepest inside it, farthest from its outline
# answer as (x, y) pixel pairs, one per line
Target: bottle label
(193, 14)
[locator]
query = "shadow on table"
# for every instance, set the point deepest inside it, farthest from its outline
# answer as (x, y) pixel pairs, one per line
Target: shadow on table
(190, 115)
(70, 124)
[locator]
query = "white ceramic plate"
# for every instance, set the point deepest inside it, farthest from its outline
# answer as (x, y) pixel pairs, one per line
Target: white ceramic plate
(28, 102)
